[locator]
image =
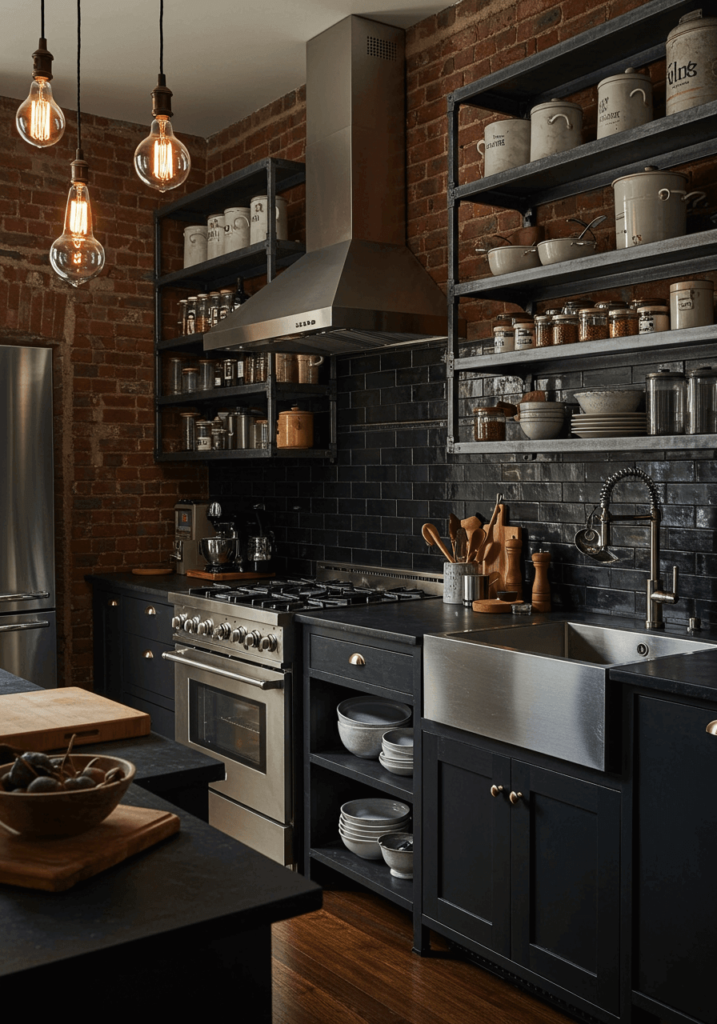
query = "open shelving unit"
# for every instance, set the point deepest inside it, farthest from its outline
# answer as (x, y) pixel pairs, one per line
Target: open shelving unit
(636, 39)
(268, 177)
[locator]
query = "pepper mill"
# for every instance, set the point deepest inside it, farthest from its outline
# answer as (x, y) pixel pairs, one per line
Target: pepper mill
(513, 579)
(541, 587)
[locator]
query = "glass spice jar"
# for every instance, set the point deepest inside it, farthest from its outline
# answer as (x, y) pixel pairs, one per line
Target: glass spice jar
(182, 317)
(214, 300)
(206, 374)
(573, 306)
(226, 300)
(260, 433)
(543, 331)
(489, 423)
(592, 324)
(190, 379)
(565, 329)
(219, 435)
(188, 430)
(191, 315)
(202, 323)
(636, 303)
(203, 436)
(623, 323)
(702, 400)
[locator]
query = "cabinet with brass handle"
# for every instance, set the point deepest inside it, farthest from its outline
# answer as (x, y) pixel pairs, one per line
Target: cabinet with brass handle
(113, 603)
(150, 610)
(357, 659)
(496, 790)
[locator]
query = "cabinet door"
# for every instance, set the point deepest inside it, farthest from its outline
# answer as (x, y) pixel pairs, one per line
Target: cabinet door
(107, 642)
(466, 842)
(675, 878)
(565, 853)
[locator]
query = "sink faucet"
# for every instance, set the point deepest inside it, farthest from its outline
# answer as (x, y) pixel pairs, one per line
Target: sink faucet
(586, 542)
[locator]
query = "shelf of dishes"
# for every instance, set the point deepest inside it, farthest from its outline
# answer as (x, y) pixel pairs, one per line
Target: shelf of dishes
(362, 770)
(373, 874)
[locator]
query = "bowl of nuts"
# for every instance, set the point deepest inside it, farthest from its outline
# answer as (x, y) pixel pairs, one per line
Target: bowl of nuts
(45, 796)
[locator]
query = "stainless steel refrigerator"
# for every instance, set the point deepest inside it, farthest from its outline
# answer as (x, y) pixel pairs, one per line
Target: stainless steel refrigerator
(28, 629)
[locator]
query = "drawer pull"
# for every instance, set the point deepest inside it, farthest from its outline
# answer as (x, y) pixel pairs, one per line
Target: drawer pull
(147, 654)
(496, 790)
(515, 797)
(712, 728)
(150, 610)
(113, 603)
(357, 659)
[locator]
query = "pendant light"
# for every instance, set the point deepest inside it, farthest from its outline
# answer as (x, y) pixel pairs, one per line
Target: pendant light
(76, 256)
(161, 160)
(39, 120)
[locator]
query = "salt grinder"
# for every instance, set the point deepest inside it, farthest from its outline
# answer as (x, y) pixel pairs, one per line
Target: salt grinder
(513, 579)
(541, 587)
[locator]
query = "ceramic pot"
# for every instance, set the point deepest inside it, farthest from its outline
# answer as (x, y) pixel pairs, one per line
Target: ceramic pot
(691, 65)
(624, 101)
(554, 127)
(236, 228)
(651, 206)
(506, 144)
(453, 573)
(215, 235)
(557, 250)
(295, 428)
(258, 228)
(195, 245)
(691, 304)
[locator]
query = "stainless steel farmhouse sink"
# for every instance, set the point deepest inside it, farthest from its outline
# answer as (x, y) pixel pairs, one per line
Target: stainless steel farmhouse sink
(542, 686)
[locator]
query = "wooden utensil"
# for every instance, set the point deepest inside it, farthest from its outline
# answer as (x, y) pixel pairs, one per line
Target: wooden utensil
(513, 580)
(454, 525)
(460, 548)
(475, 540)
(493, 606)
(541, 588)
(431, 537)
(484, 553)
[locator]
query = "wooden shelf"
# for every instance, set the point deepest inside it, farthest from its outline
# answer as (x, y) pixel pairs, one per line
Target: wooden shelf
(374, 874)
(364, 770)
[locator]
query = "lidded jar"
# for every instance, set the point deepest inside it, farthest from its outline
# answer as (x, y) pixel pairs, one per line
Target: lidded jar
(593, 324)
(665, 401)
(702, 400)
(623, 323)
(503, 338)
(565, 329)
(543, 330)
(489, 423)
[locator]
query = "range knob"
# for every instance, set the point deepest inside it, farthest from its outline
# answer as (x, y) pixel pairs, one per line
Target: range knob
(238, 635)
(190, 626)
(205, 628)
(222, 632)
(252, 639)
(178, 621)
(268, 643)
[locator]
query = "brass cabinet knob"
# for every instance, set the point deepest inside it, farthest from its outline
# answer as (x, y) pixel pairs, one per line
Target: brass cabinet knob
(149, 610)
(496, 790)
(113, 603)
(712, 728)
(147, 654)
(515, 797)
(357, 659)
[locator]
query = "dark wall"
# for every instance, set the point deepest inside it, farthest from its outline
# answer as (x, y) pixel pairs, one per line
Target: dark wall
(392, 475)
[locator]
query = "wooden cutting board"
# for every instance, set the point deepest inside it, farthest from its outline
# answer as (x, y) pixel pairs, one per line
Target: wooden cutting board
(46, 719)
(497, 560)
(58, 864)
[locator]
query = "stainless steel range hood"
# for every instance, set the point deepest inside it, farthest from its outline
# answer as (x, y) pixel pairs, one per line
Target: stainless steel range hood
(358, 287)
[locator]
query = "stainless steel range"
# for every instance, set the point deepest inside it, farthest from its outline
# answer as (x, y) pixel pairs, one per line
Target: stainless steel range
(236, 656)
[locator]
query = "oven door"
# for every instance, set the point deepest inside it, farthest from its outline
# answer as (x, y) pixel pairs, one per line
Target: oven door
(239, 712)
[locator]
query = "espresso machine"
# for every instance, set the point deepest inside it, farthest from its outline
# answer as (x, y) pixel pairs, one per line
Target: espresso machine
(191, 524)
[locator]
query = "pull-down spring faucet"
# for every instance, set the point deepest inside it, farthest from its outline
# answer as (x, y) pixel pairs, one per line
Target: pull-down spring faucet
(596, 544)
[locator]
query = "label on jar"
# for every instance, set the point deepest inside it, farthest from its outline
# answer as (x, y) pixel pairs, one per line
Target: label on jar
(503, 340)
(204, 444)
(524, 338)
(652, 323)
(685, 301)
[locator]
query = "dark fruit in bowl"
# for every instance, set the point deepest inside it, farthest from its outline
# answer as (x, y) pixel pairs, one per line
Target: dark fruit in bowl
(44, 784)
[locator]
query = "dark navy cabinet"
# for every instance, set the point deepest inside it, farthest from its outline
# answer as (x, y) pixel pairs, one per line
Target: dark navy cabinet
(522, 865)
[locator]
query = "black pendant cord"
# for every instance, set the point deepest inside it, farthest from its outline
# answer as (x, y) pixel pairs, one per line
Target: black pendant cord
(79, 44)
(161, 37)
(42, 19)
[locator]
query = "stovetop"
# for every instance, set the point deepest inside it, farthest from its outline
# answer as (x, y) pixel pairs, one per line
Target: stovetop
(294, 594)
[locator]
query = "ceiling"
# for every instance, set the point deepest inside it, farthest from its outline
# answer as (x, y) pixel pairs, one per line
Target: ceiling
(223, 60)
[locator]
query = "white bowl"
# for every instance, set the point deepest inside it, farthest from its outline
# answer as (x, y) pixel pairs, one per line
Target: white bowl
(361, 742)
(596, 403)
(398, 743)
(541, 407)
(399, 861)
(541, 430)
(375, 810)
(403, 767)
(372, 831)
(367, 850)
(372, 712)
(355, 833)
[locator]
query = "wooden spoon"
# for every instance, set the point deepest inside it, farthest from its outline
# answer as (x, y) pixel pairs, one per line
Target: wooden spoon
(431, 537)
(454, 525)
(487, 545)
(475, 541)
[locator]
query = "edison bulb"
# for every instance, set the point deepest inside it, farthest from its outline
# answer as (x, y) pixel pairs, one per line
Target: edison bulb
(76, 256)
(161, 160)
(39, 120)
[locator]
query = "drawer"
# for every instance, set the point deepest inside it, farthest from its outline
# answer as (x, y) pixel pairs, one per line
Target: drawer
(381, 667)
(162, 720)
(147, 618)
(143, 667)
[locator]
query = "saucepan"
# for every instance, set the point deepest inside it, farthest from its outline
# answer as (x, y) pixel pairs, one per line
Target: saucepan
(558, 250)
(508, 259)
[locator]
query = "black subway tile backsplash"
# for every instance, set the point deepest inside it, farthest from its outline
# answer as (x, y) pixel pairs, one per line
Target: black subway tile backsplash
(392, 474)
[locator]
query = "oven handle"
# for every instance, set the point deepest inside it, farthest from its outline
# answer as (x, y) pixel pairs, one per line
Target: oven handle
(37, 624)
(263, 684)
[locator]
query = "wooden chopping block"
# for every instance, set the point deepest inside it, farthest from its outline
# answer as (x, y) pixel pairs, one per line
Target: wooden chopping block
(46, 719)
(497, 555)
(494, 607)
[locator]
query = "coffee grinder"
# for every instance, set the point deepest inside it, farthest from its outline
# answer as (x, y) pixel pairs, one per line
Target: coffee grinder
(190, 525)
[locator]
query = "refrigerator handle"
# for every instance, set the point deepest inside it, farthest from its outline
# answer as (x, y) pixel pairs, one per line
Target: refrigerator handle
(23, 625)
(24, 597)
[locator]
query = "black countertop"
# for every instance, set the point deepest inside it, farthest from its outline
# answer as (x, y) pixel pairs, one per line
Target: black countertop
(155, 587)
(685, 675)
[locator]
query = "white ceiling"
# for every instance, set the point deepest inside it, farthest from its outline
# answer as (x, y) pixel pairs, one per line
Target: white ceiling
(222, 59)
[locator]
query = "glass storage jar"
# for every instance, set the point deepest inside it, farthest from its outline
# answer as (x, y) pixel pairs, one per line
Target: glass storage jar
(260, 433)
(188, 430)
(174, 381)
(226, 301)
(489, 423)
(182, 317)
(191, 315)
(214, 301)
(702, 400)
(665, 401)
(206, 374)
(202, 323)
(190, 379)
(543, 331)
(592, 324)
(565, 329)
(219, 434)
(203, 436)
(623, 323)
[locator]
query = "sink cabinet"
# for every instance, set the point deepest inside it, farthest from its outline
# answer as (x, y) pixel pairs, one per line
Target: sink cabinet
(532, 886)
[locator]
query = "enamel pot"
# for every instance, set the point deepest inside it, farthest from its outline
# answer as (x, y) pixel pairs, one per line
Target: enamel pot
(624, 101)
(691, 65)
(554, 127)
(509, 259)
(651, 206)
(557, 250)
(506, 144)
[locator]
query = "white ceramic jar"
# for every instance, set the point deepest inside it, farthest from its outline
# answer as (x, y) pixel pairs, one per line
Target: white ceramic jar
(505, 144)
(624, 101)
(195, 244)
(691, 304)
(258, 227)
(554, 127)
(650, 206)
(215, 236)
(236, 228)
(691, 64)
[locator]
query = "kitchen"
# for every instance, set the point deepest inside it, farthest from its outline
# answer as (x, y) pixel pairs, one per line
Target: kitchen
(114, 505)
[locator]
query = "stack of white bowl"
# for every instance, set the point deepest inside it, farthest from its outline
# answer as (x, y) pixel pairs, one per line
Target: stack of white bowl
(364, 720)
(364, 821)
(610, 413)
(541, 420)
(397, 753)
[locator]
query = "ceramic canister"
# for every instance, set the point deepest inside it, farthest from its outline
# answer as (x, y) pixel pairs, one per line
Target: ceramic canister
(195, 245)
(215, 236)
(506, 144)
(307, 367)
(691, 65)
(691, 304)
(624, 101)
(258, 227)
(554, 127)
(295, 428)
(650, 206)
(453, 573)
(236, 228)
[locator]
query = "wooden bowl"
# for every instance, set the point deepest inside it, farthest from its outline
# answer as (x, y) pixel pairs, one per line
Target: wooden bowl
(58, 815)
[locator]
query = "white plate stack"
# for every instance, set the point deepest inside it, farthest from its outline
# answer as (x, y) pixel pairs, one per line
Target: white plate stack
(364, 720)
(362, 822)
(397, 751)
(617, 424)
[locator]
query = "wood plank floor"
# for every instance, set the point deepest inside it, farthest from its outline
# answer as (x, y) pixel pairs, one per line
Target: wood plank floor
(351, 963)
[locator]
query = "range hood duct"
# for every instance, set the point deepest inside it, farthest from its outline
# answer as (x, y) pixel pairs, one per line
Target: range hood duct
(358, 287)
